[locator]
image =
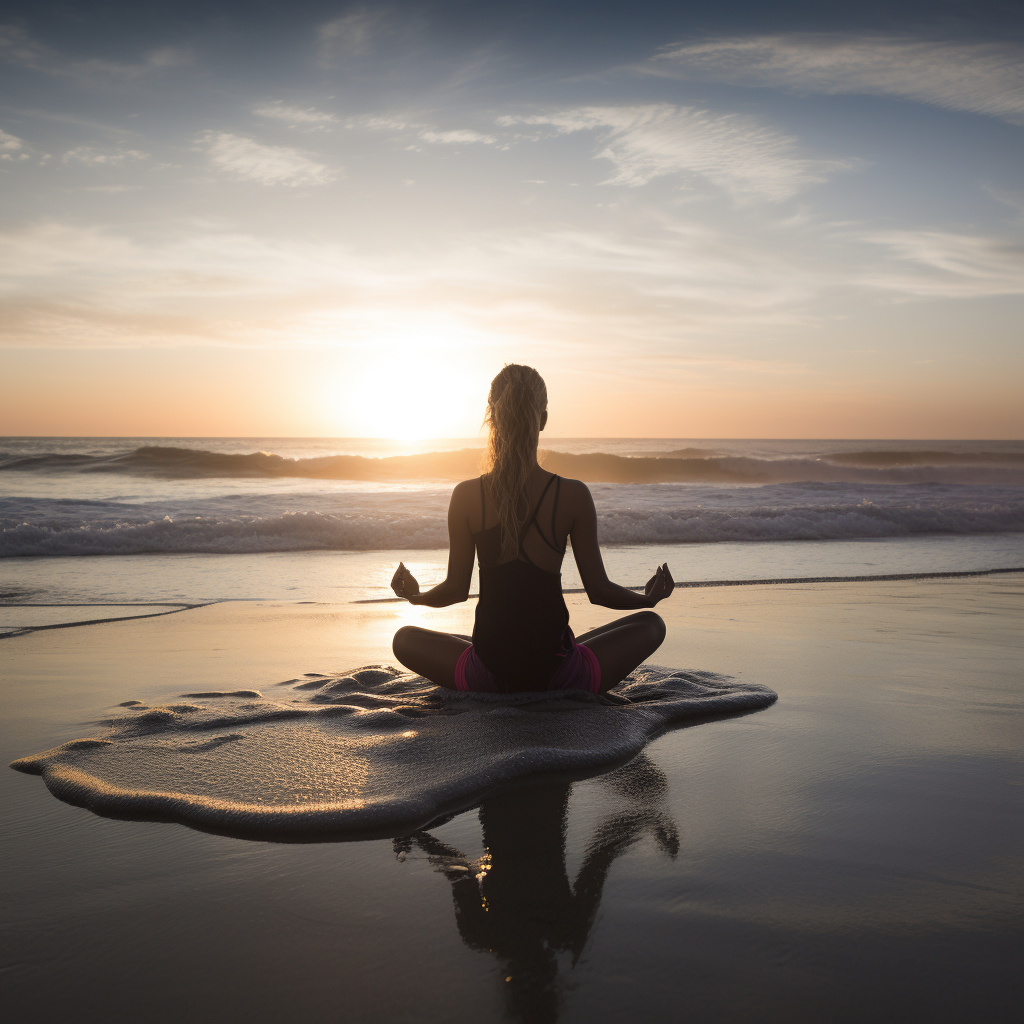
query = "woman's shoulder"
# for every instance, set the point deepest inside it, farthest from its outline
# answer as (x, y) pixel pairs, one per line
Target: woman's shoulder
(573, 490)
(573, 485)
(466, 489)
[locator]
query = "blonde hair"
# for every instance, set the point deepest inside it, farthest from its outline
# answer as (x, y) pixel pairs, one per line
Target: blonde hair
(515, 404)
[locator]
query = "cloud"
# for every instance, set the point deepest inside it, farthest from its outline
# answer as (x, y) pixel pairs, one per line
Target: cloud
(426, 133)
(457, 136)
(269, 165)
(17, 46)
(69, 285)
(382, 123)
(943, 264)
(94, 157)
(660, 285)
(307, 116)
(733, 151)
(983, 78)
(1007, 197)
(167, 57)
(713, 278)
(352, 34)
(11, 147)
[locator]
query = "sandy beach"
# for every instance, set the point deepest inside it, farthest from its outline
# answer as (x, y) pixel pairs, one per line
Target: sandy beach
(851, 852)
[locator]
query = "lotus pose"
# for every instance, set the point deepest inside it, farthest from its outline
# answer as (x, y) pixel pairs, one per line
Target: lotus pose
(518, 518)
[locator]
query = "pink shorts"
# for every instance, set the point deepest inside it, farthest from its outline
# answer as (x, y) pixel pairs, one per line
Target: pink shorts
(579, 670)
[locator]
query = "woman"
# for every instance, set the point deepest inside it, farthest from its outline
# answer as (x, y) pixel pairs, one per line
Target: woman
(518, 517)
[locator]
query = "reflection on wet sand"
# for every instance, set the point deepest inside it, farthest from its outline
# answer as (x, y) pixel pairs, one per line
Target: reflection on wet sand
(516, 901)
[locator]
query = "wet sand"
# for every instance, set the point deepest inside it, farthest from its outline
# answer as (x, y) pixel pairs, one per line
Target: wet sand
(851, 853)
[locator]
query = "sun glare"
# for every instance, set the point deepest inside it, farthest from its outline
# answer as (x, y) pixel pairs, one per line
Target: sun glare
(409, 397)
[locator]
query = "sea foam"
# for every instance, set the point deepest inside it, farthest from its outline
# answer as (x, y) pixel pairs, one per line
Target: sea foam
(372, 752)
(342, 523)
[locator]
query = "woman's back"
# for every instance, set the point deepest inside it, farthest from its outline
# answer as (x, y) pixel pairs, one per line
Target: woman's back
(521, 617)
(545, 529)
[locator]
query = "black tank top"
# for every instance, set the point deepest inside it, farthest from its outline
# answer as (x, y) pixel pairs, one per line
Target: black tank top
(521, 615)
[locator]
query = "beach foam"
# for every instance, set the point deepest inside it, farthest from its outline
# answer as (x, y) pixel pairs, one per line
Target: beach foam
(372, 752)
(627, 514)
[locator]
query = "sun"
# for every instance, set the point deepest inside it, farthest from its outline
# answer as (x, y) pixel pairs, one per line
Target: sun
(409, 397)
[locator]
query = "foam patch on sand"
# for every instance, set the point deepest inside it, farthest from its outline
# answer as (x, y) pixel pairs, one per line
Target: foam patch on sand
(373, 752)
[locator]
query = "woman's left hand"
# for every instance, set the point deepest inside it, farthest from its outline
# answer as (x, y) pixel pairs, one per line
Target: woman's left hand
(660, 585)
(404, 584)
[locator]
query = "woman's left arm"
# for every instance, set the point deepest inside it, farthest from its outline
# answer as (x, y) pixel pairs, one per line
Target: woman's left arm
(455, 587)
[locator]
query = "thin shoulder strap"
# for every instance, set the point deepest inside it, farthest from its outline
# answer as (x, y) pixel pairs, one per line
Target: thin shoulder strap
(533, 518)
(532, 521)
(483, 506)
(554, 508)
(554, 530)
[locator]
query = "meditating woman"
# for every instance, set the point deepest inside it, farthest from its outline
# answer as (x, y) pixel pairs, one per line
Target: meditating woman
(517, 518)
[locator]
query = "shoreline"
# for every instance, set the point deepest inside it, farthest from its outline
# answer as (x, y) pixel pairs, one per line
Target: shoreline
(7, 633)
(173, 608)
(895, 577)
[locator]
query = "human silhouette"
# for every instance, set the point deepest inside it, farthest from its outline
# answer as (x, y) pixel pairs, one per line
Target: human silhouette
(516, 901)
(519, 519)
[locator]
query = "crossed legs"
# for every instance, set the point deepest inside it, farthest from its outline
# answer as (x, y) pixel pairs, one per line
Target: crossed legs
(623, 644)
(430, 653)
(619, 647)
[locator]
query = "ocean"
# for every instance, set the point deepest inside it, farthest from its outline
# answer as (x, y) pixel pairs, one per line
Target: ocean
(326, 519)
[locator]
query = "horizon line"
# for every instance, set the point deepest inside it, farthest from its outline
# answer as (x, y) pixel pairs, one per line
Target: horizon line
(397, 440)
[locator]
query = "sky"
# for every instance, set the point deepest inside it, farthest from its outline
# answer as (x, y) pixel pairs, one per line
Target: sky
(337, 219)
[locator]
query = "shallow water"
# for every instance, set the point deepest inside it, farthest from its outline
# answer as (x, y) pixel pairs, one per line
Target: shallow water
(366, 575)
(757, 868)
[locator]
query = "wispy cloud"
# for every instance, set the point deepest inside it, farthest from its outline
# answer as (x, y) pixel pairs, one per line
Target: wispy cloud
(18, 46)
(984, 78)
(424, 132)
(1007, 197)
(457, 136)
(93, 156)
(665, 286)
(245, 158)
(68, 285)
(353, 33)
(385, 122)
(733, 151)
(673, 273)
(937, 264)
(308, 117)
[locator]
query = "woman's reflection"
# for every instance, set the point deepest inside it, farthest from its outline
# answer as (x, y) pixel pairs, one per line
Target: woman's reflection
(516, 901)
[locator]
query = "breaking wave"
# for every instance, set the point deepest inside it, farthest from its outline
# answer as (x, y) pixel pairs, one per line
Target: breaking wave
(627, 515)
(682, 466)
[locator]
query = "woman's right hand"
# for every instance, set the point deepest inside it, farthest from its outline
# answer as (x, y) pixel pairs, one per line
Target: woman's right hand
(404, 584)
(660, 585)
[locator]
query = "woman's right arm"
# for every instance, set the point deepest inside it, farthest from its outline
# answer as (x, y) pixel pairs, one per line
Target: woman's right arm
(455, 586)
(587, 552)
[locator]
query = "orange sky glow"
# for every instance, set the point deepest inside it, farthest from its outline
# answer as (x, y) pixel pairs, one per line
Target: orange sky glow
(735, 238)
